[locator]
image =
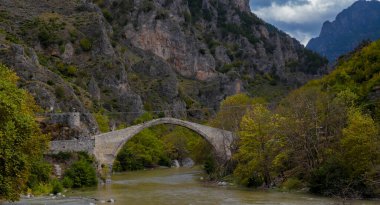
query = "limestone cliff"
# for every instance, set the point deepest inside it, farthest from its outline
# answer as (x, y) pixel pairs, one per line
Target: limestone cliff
(124, 57)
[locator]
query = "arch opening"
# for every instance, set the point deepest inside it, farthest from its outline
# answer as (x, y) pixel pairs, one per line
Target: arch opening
(163, 145)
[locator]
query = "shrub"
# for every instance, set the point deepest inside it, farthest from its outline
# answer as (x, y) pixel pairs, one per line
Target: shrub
(85, 44)
(107, 14)
(162, 14)
(59, 92)
(62, 156)
(67, 182)
(102, 121)
(40, 173)
(82, 174)
(56, 186)
(147, 5)
(209, 165)
(49, 82)
(187, 17)
(72, 70)
(147, 116)
(292, 184)
(333, 179)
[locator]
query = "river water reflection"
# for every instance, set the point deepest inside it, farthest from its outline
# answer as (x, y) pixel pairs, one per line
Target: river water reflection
(181, 186)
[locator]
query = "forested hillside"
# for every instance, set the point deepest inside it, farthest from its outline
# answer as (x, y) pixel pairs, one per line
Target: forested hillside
(323, 136)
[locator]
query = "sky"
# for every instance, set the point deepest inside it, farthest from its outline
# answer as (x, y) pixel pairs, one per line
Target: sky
(302, 19)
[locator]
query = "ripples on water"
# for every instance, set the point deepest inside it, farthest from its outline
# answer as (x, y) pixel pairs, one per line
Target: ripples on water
(177, 187)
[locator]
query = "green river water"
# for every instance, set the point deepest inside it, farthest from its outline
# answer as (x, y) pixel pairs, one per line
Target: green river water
(180, 186)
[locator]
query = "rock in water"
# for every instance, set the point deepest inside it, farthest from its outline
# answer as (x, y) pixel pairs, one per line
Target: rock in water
(188, 162)
(175, 163)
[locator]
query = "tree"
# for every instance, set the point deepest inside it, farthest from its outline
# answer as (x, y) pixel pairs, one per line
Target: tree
(314, 122)
(21, 141)
(361, 142)
(351, 171)
(231, 111)
(260, 146)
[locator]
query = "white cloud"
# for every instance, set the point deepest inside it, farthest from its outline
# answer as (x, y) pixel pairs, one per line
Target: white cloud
(312, 13)
(301, 36)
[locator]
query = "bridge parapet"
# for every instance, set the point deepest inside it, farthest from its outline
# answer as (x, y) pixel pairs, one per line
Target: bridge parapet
(72, 146)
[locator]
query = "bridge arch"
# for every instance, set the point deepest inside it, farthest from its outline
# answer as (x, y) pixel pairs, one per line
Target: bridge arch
(108, 145)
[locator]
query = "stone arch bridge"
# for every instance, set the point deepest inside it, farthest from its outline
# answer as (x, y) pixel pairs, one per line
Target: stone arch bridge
(106, 146)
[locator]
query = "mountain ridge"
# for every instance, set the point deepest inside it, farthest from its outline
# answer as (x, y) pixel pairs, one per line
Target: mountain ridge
(353, 25)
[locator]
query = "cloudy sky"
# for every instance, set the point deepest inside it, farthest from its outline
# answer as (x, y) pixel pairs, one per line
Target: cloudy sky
(302, 19)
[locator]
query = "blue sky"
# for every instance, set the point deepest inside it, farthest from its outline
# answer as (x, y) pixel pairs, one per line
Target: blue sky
(302, 19)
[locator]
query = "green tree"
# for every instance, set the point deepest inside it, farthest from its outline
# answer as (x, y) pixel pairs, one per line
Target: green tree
(352, 170)
(231, 112)
(314, 122)
(21, 141)
(260, 146)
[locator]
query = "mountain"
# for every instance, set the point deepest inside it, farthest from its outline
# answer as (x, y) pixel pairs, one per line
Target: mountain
(352, 26)
(121, 58)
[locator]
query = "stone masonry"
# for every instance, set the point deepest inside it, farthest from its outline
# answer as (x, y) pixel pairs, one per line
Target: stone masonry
(105, 147)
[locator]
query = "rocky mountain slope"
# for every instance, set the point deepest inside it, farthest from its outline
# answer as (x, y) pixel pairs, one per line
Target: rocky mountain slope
(353, 25)
(123, 57)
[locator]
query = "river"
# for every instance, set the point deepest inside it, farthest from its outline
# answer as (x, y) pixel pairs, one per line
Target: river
(180, 186)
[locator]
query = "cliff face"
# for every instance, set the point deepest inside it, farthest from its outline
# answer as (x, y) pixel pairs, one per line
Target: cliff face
(124, 57)
(353, 25)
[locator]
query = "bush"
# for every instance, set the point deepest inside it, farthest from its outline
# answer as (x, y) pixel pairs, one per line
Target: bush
(292, 184)
(333, 179)
(85, 44)
(103, 122)
(107, 14)
(147, 116)
(59, 92)
(72, 70)
(67, 182)
(147, 5)
(56, 187)
(40, 173)
(82, 174)
(62, 156)
(162, 14)
(209, 165)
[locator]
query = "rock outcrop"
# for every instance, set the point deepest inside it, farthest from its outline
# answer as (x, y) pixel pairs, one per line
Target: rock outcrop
(125, 57)
(358, 23)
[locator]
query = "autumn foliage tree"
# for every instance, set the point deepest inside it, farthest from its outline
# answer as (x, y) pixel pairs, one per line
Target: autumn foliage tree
(261, 146)
(21, 142)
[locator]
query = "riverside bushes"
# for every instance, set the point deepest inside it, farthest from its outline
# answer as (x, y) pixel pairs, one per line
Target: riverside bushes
(80, 174)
